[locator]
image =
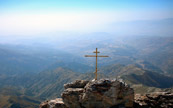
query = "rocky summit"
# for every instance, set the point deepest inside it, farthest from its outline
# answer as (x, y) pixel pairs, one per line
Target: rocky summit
(102, 93)
(107, 93)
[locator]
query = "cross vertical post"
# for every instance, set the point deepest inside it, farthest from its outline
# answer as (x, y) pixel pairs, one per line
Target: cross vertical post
(96, 60)
(96, 65)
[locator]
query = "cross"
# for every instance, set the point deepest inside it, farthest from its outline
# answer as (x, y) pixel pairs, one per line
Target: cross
(96, 60)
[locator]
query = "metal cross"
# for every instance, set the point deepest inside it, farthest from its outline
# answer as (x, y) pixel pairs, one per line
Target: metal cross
(96, 60)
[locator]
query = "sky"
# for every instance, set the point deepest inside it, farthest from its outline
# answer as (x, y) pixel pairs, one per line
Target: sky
(32, 17)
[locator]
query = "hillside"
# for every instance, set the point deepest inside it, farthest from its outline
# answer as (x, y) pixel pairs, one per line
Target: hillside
(36, 73)
(135, 75)
(49, 84)
(12, 97)
(19, 59)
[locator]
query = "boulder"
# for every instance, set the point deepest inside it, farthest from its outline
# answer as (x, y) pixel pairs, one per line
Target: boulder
(102, 93)
(56, 103)
(71, 97)
(154, 100)
(106, 94)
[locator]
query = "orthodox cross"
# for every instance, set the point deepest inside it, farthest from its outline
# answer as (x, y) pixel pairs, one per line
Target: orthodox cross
(96, 60)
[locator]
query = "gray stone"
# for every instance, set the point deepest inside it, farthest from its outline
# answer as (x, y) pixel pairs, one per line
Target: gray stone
(76, 84)
(56, 103)
(154, 100)
(106, 94)
(102, 93)
(71, 97)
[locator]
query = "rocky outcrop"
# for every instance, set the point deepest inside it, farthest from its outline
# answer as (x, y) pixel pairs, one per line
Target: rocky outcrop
(107, 94)
(154, 100)
(57, 103)
(102, 93)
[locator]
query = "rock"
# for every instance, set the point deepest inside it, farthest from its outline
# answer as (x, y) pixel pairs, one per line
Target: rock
(71, 97)
(76, 84)
(102, 93)
(106, 94)
(154, 100)
(57, 103)
(44, 104)
(98, 94)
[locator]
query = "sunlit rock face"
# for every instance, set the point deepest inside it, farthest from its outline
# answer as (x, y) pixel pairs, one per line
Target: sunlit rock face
(102, 93)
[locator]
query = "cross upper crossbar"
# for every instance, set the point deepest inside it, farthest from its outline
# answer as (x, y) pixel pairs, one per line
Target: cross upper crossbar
(96, 60)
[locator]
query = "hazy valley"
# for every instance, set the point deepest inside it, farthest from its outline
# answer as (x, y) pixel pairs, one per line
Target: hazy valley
(35, 70)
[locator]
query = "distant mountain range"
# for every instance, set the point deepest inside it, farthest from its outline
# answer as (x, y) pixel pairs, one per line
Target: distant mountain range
(35, 73)
(162, 27)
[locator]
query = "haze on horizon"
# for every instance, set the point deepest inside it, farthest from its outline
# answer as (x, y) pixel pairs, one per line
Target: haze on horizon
(36, 17)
